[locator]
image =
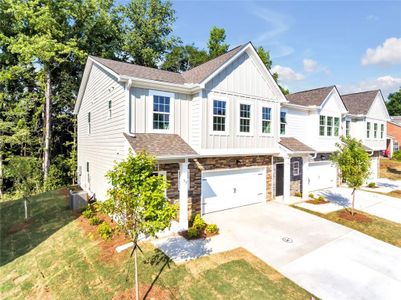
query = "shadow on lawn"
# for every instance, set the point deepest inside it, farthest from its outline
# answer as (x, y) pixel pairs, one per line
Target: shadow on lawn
(48, 212)
(393, 171)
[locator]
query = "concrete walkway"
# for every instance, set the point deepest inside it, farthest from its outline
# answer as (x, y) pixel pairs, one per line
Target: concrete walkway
(385, 185)
(375, 204)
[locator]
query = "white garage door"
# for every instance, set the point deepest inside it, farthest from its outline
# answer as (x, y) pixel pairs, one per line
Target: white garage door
(322, 175)
(232, 188)
(373, 168)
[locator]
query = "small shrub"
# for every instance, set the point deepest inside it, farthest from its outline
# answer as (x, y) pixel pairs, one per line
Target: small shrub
(311, 196)
(198, 223)
(212, 229)
(192, 233)
(95, 220)
(397, 155)
(87, 212)
(298, 194)
(372, 185)
(321, 198)
(105, 231)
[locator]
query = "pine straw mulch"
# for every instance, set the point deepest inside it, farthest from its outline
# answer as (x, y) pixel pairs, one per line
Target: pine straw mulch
(358, 217)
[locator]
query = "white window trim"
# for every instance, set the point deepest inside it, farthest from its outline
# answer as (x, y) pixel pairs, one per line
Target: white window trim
(394, 146)
(286, 123)
(295, 166)
(349, 129)
(332, 136)
(251, 120)
(150, 111)
(382, 132)
(370, 130)
(210, 121)
(260, 113)
(376, 131)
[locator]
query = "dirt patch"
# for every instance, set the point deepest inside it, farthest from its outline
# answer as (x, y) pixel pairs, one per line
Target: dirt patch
(20, 226)
(396, 193)
(317, 201)
(145, 292)
(358, 217)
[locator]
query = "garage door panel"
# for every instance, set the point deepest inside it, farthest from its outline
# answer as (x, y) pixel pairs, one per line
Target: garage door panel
(322, 176)
(232, 188)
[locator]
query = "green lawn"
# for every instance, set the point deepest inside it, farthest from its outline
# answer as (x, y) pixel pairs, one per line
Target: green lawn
(382, 229)
(55, 258)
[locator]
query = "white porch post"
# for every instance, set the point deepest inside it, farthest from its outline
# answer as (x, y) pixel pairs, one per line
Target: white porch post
(183, 181)
(305, 177)
(287, 181)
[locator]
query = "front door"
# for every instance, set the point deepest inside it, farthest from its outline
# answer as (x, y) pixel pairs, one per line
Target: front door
(279, 179)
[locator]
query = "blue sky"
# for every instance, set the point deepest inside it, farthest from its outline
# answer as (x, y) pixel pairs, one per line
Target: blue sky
(312, 43)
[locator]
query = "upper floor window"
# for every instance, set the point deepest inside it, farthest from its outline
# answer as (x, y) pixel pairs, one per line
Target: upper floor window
(109, 108)
(219, 115)
(245, 118)
(375, 130)
(283, 122)
(329, 126)
(161, 112)
(368, 130)
(336, 126)
(348, 128)
(322, 125)
(381, 131)
(266, 119)
(89, 123)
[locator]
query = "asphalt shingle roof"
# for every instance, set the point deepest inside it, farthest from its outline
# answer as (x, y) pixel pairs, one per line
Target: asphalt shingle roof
(313, 97)
(359, 103)
(295, 145)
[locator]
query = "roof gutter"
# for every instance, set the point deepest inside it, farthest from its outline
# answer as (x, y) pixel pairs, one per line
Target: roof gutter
(301, 107)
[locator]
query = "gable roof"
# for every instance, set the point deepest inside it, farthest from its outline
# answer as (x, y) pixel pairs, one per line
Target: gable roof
(294, 145)
(313, 97)
(160, 144)
(359, 103)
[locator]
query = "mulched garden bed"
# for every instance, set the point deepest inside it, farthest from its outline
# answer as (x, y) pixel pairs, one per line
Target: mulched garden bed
(202, 235)
(317, 201)
(356, 217)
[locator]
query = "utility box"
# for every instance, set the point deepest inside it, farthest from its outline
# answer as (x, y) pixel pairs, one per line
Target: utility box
(78, 199)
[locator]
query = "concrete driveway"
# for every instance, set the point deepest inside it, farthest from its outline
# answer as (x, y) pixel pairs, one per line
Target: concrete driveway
(327, 259)
(375, 204)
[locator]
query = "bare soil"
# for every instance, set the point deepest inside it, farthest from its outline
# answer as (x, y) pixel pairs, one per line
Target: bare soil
(358, 217)
(20, 226)
(145, 292)
(317, 201)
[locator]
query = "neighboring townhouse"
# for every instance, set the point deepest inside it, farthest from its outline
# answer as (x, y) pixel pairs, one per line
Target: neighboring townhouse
(367, 121)
(393, 136)
(313, 128)
(214, 129)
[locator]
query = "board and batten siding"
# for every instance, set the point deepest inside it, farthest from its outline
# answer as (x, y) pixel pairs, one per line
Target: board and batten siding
(106, 142)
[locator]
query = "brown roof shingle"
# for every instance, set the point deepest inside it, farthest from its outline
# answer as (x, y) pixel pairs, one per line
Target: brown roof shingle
(295, 145)
(160, 144)
(195, 75)
(359, 103)
(313, 97)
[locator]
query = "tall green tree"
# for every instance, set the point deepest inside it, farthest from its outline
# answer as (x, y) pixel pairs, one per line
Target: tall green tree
(148, 25)
(183, 58)
(394, 103)
(216, 43)
(137, 200)
(354, 164)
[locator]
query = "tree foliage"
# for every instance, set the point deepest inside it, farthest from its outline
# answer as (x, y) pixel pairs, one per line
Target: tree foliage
(216, 44)
(183, 58)
(394, 103)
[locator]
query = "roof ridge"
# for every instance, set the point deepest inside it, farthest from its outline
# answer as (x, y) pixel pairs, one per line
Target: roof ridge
(319, 88)
(369, 91)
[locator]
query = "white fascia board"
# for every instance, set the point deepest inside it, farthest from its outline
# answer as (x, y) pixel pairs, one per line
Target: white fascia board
(301, 107)
(334, 90)
(237, 152)
(383, 102)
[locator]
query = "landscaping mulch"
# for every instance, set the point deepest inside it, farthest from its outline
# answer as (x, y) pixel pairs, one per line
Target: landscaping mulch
(202, 235)
(358, 217)
(145, 292)
(317, 201)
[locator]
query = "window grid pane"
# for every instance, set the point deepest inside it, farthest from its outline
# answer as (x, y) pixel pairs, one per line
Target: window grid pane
(266, 119)
(329, 126)
(161, 112)
(381, 131)
(245, 118)
(219, 115)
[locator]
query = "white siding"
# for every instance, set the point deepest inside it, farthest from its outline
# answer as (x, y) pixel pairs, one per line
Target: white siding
(106, 142)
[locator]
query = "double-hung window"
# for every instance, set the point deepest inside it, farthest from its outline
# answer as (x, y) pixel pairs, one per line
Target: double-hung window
(322, 126)
(368, 130)
(295, 168)
(89, 123)
(329, 126)
(336, 126)
(244, 118)
(266, 119)
(219, 115)
(396, 146)
(283, 122)
(161, 112)
(381, 131)
(375, 130)
(348, 128)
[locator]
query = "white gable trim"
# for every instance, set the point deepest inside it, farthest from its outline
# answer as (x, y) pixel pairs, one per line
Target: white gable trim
(334, 90)
(379, 93)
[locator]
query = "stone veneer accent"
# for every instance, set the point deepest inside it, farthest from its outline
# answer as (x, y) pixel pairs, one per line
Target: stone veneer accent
(196, 166)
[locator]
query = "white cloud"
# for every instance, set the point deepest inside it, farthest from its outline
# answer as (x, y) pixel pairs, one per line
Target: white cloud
(286, 73)
(310, 65)
(388, 84)
(387, 54)
(372, 18)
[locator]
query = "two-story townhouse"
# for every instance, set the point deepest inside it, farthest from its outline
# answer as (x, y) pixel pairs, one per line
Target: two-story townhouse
(367, 121)
(313, 120)
(213, 129)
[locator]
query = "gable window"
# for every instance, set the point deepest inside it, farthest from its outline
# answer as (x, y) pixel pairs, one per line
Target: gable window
(283, 121)
(266, 119)
(219, 115)
(109, 108)
(375, 130)
(381, 131)
(336, 126)
(322, 126)
(295, 168)
(368, 130)
(89, 123)
(245, 118)
(348, 128)
(329, 126)
(161, 112)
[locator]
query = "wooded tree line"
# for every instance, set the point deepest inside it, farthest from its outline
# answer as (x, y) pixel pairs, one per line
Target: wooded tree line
(43, 49)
